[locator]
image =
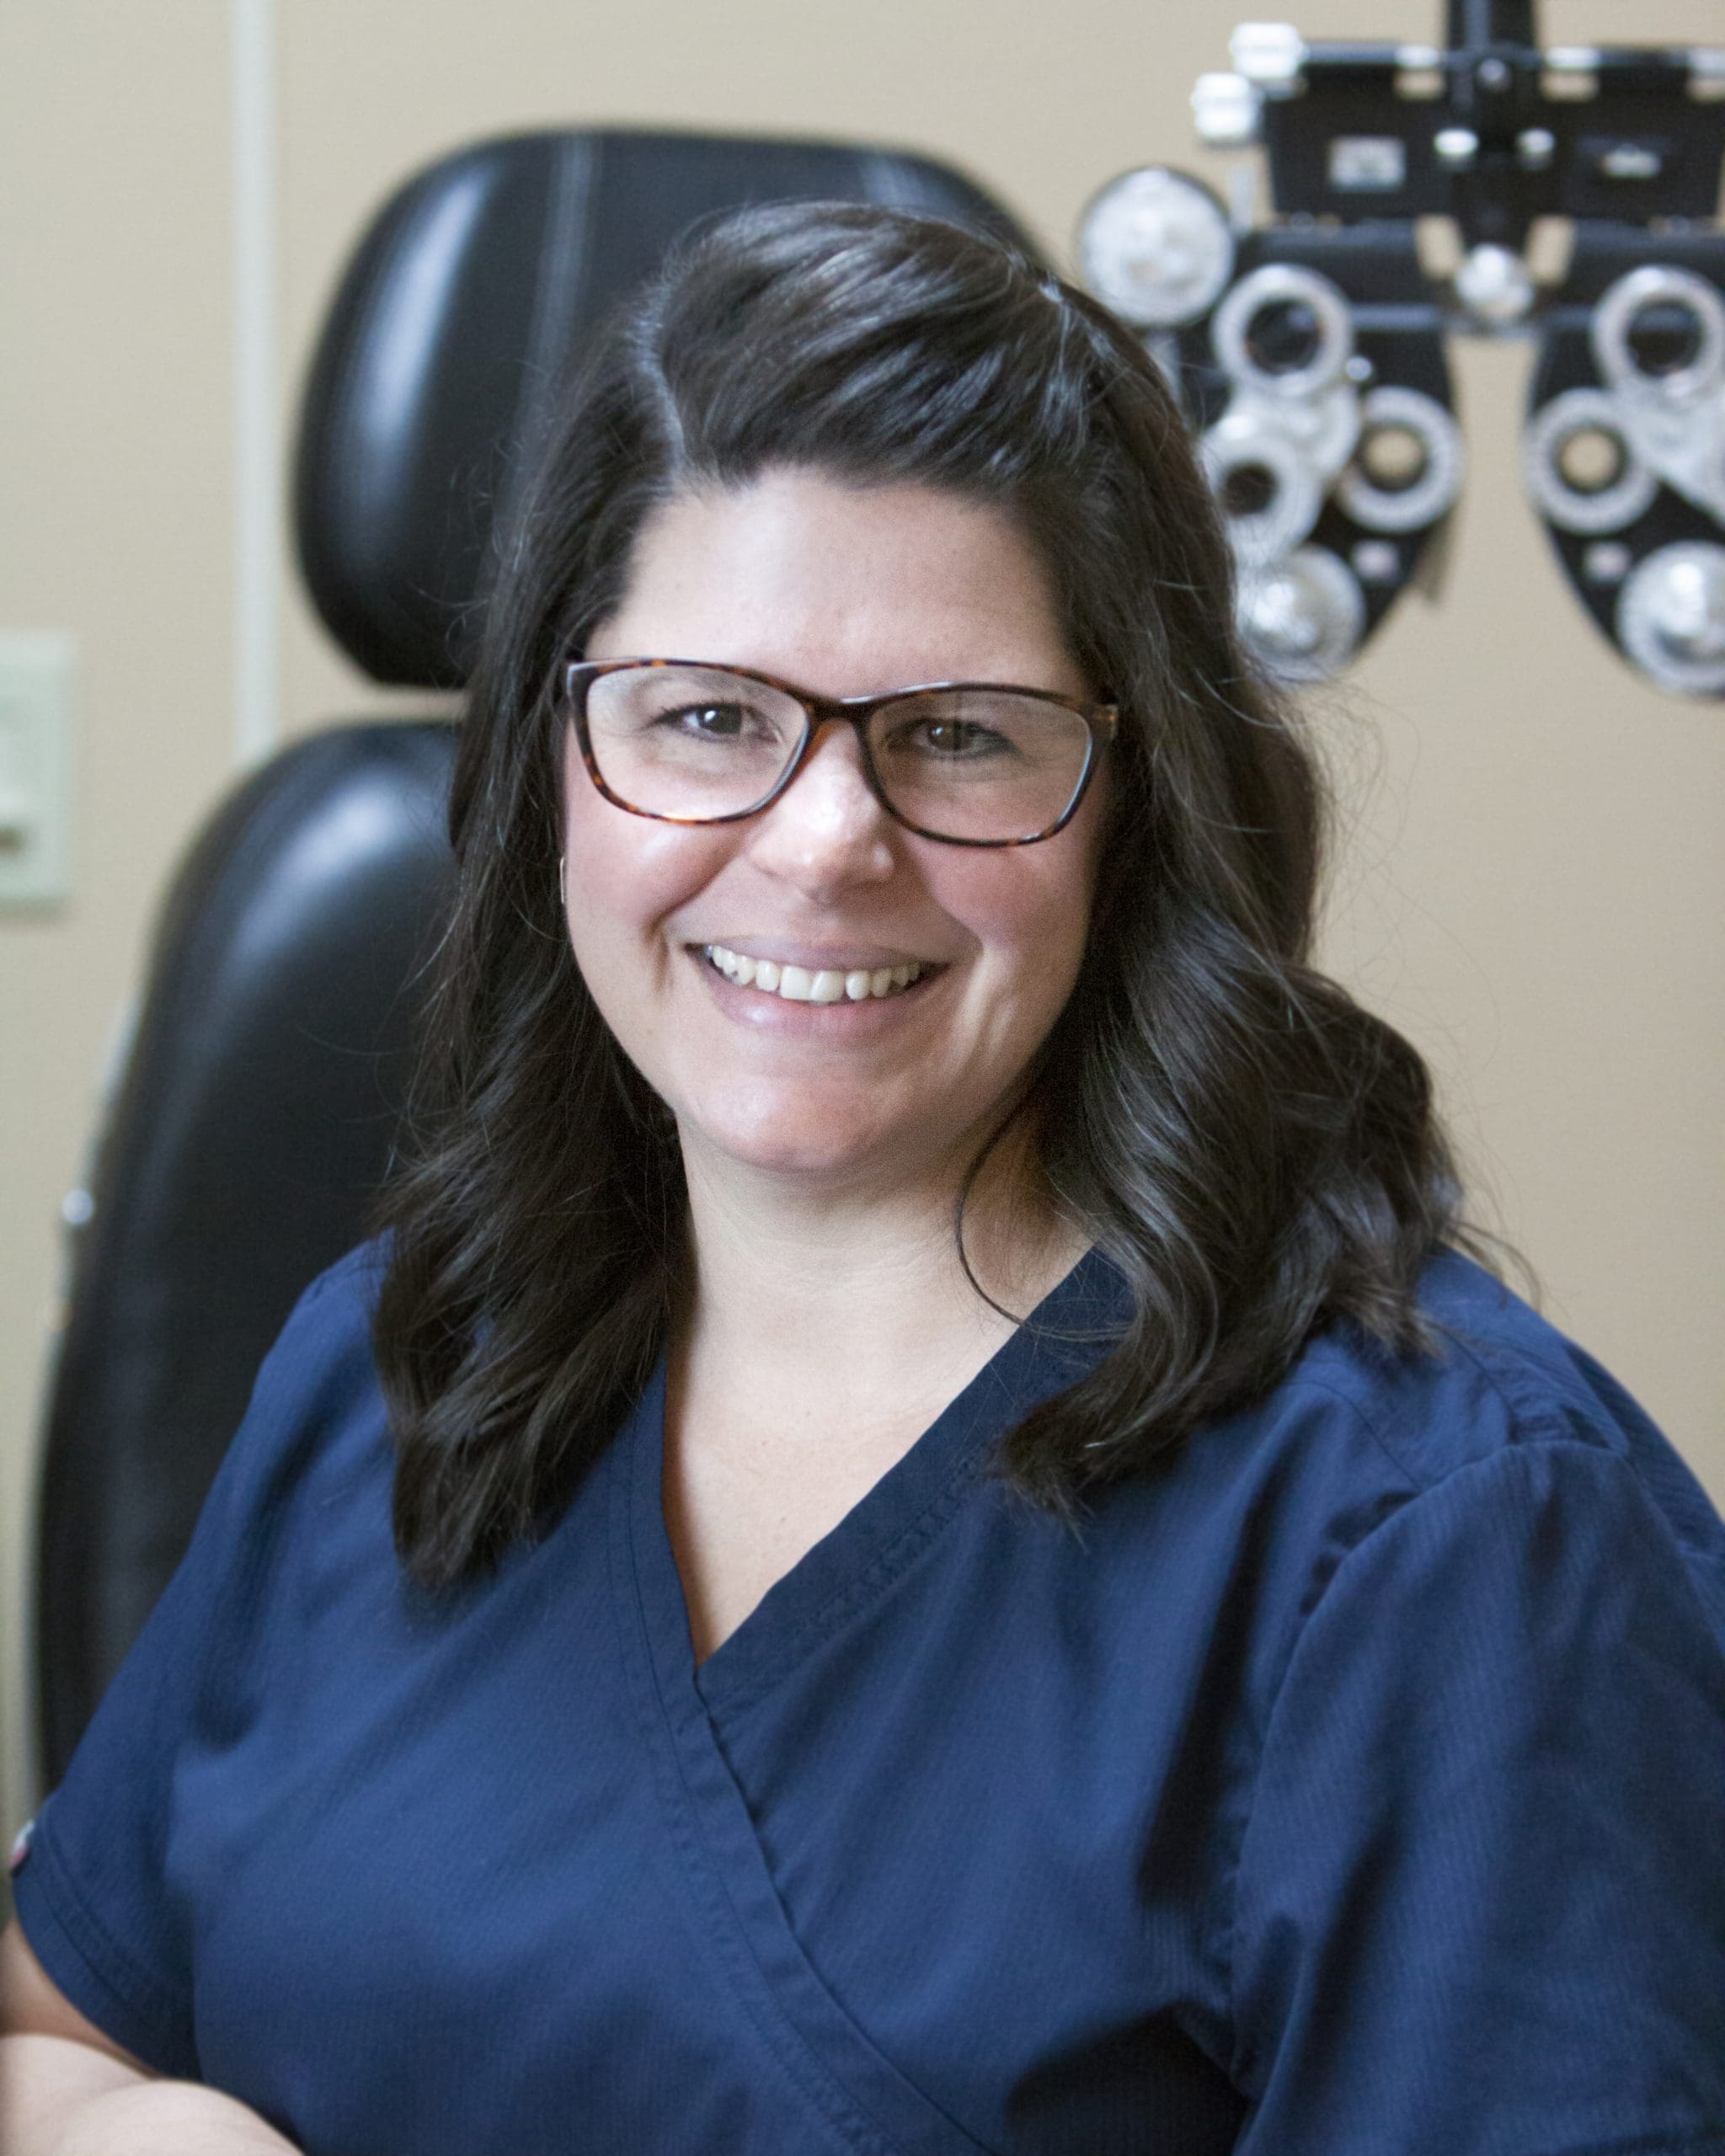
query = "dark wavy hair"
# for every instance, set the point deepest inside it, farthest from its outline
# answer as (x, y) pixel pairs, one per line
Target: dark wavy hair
(1255, 1153)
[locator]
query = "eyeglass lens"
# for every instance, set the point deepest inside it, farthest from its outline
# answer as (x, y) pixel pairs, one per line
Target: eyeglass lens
(963, 764)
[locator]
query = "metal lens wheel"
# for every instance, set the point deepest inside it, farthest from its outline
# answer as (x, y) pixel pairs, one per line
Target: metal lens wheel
(1671, 617)
(1269, 492)
(1434, 480)
(1661, 332)
(1553, 470)
(1156, 249)
(1304, 618)
(1285, 330)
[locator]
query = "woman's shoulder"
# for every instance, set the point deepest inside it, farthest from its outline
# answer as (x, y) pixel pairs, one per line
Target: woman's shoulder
(315, 1410)
(1506, 1465)
(1354, 1434)
(1497, 1375)
(327, 1330)
(1355, 1441)
(324, 1348)
(346, 1292)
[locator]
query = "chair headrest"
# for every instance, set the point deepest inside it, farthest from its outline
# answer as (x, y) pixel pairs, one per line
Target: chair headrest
(455, 321)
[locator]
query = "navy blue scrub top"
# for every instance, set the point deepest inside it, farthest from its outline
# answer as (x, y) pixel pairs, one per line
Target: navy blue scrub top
(1356, 1785)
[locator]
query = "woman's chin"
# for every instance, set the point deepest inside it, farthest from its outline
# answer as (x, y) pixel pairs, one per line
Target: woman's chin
(801, 1144)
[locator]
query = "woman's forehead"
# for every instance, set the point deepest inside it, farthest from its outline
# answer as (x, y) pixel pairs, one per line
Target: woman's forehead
(797, 569)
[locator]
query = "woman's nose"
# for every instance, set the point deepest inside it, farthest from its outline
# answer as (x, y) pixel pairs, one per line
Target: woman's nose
(826, 829)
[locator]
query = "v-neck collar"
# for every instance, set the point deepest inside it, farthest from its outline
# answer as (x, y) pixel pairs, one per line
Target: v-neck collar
(850, 2093)
(881, 1534)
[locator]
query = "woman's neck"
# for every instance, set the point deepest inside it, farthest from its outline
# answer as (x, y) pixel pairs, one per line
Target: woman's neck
(860, 1288)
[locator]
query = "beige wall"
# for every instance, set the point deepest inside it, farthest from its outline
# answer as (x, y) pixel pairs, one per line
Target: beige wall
(1532, 882)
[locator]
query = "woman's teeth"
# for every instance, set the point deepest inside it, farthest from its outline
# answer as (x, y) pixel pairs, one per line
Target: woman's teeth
(798, 985)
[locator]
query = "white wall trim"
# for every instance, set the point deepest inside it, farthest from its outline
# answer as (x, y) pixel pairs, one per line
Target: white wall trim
(256, 449)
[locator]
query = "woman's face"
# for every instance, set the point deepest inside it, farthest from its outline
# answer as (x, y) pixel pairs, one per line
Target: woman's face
(846, 592)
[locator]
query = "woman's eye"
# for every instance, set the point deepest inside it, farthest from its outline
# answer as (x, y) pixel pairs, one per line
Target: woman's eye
(953, 736)
(716, 723)
(711, 722)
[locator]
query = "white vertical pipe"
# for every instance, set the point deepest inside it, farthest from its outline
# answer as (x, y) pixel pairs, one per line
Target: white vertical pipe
(256, 454)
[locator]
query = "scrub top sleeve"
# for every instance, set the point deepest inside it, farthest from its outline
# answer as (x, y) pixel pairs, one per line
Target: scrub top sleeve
(94, 1893)
(1481, 1895)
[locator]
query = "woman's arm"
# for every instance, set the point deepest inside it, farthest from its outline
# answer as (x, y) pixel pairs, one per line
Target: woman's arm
(1477, 1902)
(68, 2090)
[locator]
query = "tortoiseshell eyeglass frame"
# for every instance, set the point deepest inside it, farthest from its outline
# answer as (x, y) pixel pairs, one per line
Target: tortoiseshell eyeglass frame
(579, 674)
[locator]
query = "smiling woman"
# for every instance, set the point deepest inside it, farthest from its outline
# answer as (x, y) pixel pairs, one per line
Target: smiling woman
(922, 1529)
(862, 455)
(857, 589)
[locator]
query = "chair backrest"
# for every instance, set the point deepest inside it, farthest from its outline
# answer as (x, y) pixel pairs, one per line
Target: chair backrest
(252, 1124)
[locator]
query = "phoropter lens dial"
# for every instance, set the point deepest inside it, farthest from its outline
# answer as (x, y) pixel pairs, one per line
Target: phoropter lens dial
(1671, 617)
(1659, 332)
(1580, 468)
(1285, 330)
(1407, 469)
(1155, 248)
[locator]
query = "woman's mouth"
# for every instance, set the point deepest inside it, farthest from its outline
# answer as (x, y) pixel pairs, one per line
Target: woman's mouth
(795, 984)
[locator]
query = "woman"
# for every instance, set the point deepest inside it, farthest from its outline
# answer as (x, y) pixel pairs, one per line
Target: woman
(919, 1536)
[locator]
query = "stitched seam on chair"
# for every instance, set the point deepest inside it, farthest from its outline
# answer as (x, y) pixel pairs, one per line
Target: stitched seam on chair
(565, 251)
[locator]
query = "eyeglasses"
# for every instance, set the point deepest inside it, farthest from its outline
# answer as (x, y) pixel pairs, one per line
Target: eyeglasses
(971, 762)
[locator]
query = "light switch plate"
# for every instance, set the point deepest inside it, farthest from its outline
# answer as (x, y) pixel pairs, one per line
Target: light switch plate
(37, 669)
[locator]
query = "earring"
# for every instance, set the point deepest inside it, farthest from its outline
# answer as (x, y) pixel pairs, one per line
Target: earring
(561, 888)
